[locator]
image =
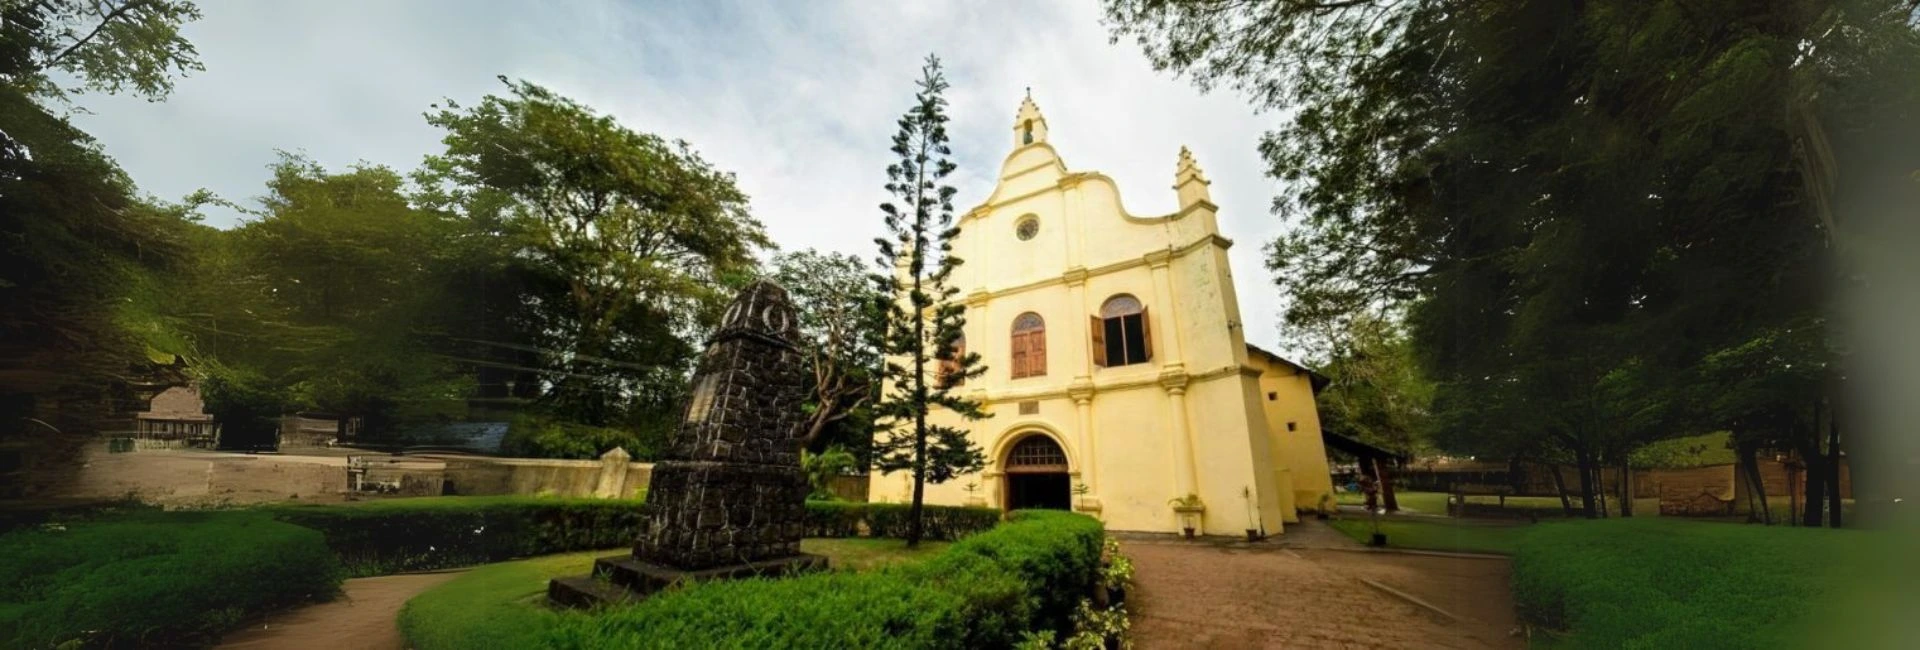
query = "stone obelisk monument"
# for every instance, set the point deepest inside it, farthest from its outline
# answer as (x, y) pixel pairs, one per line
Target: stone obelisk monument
(728, 499)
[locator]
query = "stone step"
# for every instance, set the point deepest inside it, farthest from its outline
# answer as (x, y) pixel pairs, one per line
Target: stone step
(586, 591)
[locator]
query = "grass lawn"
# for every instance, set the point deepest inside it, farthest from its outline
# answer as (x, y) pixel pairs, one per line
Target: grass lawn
(1438, 535)
(504, 605)
(1671, 583)
(1435, 503)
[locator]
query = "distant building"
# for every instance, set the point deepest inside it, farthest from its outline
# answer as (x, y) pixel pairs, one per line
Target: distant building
(1119, 378)
(177, 415)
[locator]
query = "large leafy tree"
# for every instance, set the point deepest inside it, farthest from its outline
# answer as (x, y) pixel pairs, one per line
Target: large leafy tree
(924, 319)
(360, 274)
(1575, 203)
(74, 240)
(104, 46)
(626, 242)
(1376, 391)
(837, 316)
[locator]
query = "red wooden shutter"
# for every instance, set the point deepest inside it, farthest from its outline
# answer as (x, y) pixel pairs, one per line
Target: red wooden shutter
(1146, 334)
(1099, 329)
(1019, 356)
(1037, 353)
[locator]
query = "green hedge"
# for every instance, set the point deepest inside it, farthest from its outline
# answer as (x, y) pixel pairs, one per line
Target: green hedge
(983, 592)
(1665, 583)
(150, 579)
(389, 536)
(942, 523)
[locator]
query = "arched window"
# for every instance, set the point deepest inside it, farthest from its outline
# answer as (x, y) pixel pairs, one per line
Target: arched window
(1029, 346)
(1121, 334)
(1036, 453)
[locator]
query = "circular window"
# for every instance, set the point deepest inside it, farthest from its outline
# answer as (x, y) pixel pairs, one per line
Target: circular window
(1027, 229)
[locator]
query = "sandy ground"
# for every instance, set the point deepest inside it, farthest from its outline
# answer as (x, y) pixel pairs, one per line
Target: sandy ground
(1293, 595)
(362, 618)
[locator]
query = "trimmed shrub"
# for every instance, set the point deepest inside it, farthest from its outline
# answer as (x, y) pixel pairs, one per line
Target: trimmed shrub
(985, 591)
(155, 578)
(941, 523)
(389, 536)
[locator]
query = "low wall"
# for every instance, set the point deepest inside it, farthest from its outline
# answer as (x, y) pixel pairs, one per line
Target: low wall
(545, 477)
(199, 478)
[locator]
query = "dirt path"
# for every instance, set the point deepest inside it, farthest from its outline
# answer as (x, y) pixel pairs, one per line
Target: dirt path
(363, 617)
(1200, 595)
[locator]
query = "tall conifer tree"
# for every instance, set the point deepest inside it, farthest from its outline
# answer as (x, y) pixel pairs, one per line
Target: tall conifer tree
(926, 357)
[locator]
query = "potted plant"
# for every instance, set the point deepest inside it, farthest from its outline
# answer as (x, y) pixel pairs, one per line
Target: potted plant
(1189, 508)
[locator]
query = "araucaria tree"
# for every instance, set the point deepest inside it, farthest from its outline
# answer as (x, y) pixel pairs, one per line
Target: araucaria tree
(926, 359)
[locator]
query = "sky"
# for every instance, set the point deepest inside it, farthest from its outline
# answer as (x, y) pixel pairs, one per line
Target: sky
(797, 98)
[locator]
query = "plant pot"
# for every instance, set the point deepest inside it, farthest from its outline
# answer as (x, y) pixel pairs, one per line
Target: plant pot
(1253, 535)
(1379, 539)
(1189, 532)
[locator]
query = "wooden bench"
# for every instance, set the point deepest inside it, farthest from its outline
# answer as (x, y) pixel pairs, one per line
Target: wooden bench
(1457, 498)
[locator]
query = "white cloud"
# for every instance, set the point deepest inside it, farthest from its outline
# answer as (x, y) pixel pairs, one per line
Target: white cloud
(799, 99)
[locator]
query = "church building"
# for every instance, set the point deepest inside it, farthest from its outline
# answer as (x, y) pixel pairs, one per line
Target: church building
(1119, 380)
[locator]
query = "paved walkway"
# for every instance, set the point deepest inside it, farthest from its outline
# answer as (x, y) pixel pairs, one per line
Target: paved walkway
(364, 617)
(1308, 589)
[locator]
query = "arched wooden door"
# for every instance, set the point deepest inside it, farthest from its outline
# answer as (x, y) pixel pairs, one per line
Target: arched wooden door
(1036, 475)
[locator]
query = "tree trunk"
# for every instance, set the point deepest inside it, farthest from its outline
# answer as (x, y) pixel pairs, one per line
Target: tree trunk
(1560, 485)
(1626, 489)
(1386, 488)
(1585, 460)
(1816, 486)
(1757, 488)
(1833, 468)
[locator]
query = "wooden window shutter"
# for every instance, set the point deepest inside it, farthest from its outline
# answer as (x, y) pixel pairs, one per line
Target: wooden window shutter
(1037, 353)
(1146, 334)
(1019, 356)
(1099, 330)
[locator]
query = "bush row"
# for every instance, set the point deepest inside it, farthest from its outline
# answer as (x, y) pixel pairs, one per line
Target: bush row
(983, 592)
(150, 579)
(390, 536)
(848, 519)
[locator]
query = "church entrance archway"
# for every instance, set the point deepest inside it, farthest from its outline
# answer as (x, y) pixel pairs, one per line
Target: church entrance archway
(1036, 475)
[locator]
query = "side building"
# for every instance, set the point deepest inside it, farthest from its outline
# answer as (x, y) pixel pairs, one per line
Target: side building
(1119, 380)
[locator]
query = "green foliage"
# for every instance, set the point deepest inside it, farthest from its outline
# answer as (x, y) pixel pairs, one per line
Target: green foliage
(104, 47)
(925, 321)
(822, 467)
(628, 243)
(1573, 222)
(985, 591)
(533, 435)
(246, 406)
(155, 579)
(837, 318)
(846, 519)
(388, 536)
(73, 242)
(1376, 391)
(1653, 583)
(1692, 451)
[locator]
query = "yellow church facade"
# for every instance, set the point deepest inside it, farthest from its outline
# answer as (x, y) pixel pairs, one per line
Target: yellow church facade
(1119, 382)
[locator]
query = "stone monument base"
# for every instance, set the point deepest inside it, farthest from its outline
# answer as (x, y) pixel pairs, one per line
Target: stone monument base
(622, 578)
